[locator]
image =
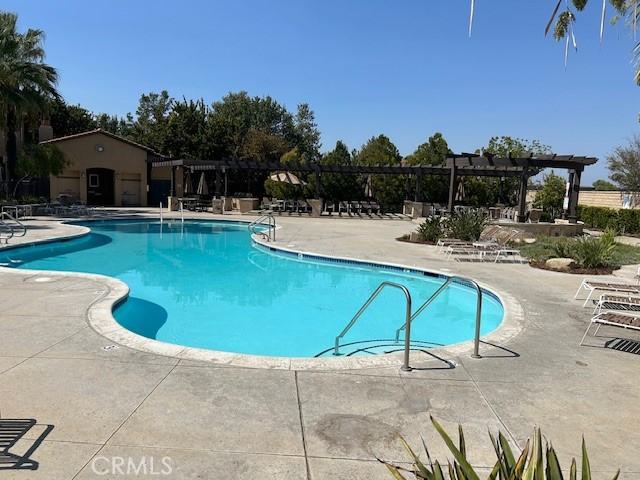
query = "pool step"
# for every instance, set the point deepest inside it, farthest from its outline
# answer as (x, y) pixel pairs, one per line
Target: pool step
(375, 347)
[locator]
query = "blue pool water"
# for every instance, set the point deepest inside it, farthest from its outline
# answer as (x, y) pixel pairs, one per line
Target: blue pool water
(203, 284)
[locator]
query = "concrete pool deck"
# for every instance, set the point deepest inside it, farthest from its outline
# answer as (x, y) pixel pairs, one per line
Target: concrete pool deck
(216, 421)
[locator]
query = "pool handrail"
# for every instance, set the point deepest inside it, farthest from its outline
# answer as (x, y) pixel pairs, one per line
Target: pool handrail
(12, 226)
(271, 235)
(407, 295)
(476, 339)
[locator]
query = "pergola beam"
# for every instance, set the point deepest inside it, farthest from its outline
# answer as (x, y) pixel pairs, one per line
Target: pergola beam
(456, 166)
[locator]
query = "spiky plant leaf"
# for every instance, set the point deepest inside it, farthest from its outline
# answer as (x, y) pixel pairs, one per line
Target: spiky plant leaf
(554, 472)
(572, 470)
(438, 474)
(395, 472)
(586, 468)
(502, 466)
(469, 472)
(422, 469)
(615, 477)
(495, 471)
(452, 472)
(522, 461)
(508, 453)
(463, 448)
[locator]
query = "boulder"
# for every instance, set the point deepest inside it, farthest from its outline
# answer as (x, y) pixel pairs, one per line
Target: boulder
(560, 264)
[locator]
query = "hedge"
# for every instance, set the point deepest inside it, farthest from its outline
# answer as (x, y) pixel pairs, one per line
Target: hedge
(623, 221)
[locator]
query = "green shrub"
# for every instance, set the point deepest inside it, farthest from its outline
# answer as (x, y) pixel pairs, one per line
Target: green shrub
(593, 252)
(624, 221)
(562, 248)
(467, 225)
(535, 462)
(431, 230)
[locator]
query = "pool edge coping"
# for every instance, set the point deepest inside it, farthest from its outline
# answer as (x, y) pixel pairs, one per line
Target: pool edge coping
(99, 316)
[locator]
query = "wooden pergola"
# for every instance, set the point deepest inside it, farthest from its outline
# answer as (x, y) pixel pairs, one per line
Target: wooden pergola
(528, 166)
(456, 166)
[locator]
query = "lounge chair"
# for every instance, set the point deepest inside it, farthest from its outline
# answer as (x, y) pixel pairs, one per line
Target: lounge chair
(616, 302)
(330, 207)
(343, 207)
(593, 285)
(614, 319)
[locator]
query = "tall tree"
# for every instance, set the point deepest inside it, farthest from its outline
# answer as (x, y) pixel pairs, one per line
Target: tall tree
(489, 191)
(433, 152)
(26, 82)
(235, 119)
(188, 130)
(306, 128)
(339, 186)
(603, 185)
(389, 190)
(624, 165)
(550, 197)
(69, 119)
(151, 124)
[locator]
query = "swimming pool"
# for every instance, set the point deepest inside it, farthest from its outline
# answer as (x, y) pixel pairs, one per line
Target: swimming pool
(205, 284)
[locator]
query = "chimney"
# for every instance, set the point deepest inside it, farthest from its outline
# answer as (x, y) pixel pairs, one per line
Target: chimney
(45, 131)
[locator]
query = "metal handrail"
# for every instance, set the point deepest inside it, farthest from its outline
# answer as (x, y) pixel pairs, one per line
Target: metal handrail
(10, 233)
(272, 226)
(16, 221)
(476, 340)
(405, 365)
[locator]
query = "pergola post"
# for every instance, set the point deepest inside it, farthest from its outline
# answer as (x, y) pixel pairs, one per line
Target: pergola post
(173, 181)
(418, 191)
(574, 192)
(218, 183)
(452, 187)
(318, 177)
(522, 196)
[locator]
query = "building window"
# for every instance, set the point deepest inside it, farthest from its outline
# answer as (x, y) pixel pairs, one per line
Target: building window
(94, 180)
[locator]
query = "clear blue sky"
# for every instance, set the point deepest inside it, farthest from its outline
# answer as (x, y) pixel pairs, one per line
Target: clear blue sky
(402, 68)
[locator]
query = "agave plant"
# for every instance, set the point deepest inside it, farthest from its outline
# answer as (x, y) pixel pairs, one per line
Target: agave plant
(535, 462)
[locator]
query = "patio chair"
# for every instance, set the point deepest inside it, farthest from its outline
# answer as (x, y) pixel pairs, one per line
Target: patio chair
(613, 319)
(303, 206)
(374, 207)
(443, 243)
(276, 206)
(355, 207)
(343, 207)
(330, 207)
(593, 285)
(616, 302)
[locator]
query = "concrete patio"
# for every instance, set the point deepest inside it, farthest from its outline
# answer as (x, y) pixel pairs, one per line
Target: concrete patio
(216, 421)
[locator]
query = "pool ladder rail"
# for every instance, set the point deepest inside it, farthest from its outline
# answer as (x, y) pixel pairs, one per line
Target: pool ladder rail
(409, 317)
(8, 229)
(270, 235)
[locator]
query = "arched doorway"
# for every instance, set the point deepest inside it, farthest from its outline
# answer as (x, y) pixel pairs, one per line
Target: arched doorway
(100, 186)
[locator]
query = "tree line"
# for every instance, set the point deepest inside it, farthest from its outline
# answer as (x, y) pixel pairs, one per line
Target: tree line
(236, 126)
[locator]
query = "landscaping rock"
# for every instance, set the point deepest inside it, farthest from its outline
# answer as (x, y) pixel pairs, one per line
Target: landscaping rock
(414, 237)
(560, 264)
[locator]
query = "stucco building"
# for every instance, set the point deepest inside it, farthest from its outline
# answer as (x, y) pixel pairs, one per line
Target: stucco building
(108, 170)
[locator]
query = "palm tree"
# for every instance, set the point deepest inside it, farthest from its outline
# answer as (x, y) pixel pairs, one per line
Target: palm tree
(26, 82)
(565, 18)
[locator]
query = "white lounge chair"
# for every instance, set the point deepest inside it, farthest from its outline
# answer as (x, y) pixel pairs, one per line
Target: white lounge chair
(593, 285)
(614, 319)
(616, 302)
